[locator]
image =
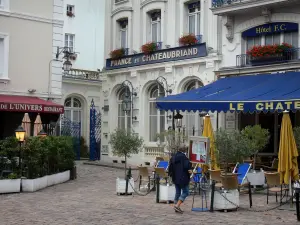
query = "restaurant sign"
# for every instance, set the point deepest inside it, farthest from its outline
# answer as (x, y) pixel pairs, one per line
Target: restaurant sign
(165, 55)
(270, 28)
(265, 106)
(22, 107)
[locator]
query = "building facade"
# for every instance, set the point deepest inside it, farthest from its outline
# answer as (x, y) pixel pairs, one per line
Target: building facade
(83, 35)
(29, 34)
(246, 24)
(172, 68)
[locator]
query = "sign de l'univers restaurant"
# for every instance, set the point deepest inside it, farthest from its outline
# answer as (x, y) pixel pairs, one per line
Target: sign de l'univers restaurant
(159, 56)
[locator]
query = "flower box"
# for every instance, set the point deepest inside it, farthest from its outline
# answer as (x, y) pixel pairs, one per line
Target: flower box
(10, 186)
(166, 192)
(70, 14)
(117, 53)
(121, 186)
(32, 185)
(189, 39)
(149, 48)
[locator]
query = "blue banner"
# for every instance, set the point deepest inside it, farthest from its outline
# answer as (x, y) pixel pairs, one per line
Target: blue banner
(159, 56)
(270, 28)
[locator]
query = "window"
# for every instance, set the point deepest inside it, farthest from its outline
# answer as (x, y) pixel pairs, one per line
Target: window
(287, 37)
(123, 24)
(155, 26)
(156, 117)
(120, 1)
(192, 121)
(194, 18)
(124, 120)
(70, 41)
(70, 10)
(4, 49)
(73, 109)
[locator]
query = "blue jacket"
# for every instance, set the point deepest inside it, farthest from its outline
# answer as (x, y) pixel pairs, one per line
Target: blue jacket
(178, 169)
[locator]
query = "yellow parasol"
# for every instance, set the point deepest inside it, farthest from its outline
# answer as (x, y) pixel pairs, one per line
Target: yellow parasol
(287, 163)
(26, 124)
(208, 132)
(38, 126)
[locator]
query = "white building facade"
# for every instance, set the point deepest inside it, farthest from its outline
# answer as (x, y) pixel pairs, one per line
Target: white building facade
(249, 23)
(83, 35)
(133, 23)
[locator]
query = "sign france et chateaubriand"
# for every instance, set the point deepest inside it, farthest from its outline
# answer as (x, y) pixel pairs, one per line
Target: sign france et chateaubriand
(165, 55)
(264, 106)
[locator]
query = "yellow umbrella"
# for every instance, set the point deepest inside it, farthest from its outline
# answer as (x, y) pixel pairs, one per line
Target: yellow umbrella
(26, 124)
(37, 125)
(208, 132)
(287, 163)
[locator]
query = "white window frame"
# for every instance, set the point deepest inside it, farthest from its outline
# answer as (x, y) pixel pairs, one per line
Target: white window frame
(72, 7)
(120, 35)
(158, 22)
(197, 14)
(159, 114)
(4, 5)
(194, 116)
(126, 116)
(72, 109)
(4, 73)
(68, 35)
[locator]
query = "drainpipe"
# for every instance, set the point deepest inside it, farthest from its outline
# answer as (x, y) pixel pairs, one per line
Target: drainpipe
(50, 75)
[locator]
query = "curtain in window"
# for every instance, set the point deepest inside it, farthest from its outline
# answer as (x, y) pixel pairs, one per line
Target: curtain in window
(192, 24)
(153, 122)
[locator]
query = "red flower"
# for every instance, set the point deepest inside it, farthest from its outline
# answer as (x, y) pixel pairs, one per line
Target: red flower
(149, 47)
(117, 53)
(189, 39)
(268, 50)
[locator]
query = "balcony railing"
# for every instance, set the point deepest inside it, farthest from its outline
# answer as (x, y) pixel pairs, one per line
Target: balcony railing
(288, 56)
(220, 3)
(83, 74)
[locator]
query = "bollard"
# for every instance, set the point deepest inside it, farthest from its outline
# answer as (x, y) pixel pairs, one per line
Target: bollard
(157, 188)
(212, 196)
(128, 177)
(250, 194)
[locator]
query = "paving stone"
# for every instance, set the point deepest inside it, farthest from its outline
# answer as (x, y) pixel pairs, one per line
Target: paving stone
(91, 200)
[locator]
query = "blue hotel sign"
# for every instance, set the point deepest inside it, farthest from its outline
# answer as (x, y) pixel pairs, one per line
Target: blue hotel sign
(166, 55)
(270, 28)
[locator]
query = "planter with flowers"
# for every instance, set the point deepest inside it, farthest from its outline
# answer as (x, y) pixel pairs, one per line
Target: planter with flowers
(117, 53)
(70, 14)
(149, 48)
(189, 39)
(73, 56)
(269, 53)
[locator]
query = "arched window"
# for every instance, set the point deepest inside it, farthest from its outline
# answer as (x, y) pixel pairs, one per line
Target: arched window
(73, 109)
(192, 121)
(156, 117)
(124, 120)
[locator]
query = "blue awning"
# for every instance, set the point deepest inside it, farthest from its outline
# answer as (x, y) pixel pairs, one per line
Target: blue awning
(255, 93)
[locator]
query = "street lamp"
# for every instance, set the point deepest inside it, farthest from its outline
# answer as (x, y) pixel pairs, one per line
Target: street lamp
(67, 66)
(42, 133)
(20, 135)
(178, 120)
(127, 102)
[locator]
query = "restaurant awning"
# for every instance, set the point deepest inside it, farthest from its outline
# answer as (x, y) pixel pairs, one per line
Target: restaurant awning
(255, 93)
(13, 103)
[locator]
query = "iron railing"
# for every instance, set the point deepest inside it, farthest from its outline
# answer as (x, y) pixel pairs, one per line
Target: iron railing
(220, 3)
(83, 74)
(288, 56)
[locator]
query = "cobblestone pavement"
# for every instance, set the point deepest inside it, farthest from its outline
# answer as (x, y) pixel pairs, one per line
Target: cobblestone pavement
(91, 200)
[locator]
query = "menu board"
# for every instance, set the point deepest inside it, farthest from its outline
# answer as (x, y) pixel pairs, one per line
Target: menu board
(199, 150)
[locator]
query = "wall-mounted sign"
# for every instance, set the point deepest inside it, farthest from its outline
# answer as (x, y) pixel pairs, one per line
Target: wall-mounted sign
(199, 149)
(270, 28)
(20, 107)
(165, 55)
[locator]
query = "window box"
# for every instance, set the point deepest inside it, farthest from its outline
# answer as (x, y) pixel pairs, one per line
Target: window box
(117, 53)
(189, 39)
(149, 48)
(70, 14)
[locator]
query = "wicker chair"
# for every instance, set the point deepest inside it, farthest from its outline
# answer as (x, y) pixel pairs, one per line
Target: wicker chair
(274, 186)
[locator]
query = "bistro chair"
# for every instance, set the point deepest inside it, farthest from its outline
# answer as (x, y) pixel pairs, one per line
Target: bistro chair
(274, 186)
(163, 164)
(274, 166)
(161, 173)
(144, 176)
(215, 175)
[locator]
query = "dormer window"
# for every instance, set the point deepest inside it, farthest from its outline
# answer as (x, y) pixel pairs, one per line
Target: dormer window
(155, 26)
(194, 18)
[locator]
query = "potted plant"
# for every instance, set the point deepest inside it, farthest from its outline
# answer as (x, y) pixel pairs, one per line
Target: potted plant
(117, 53)
(258, 139)
(124, 144)
(232, 147)
(149, 48)
(269, 53)
(189, 39)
